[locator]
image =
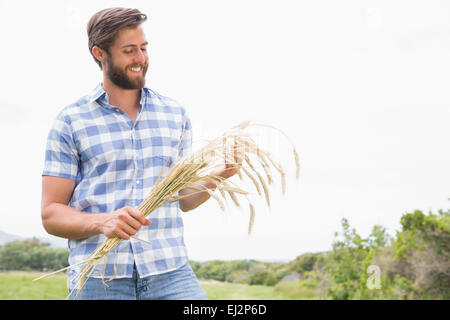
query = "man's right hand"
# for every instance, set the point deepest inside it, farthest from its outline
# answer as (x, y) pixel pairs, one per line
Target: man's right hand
(124, 222)
(63, 221)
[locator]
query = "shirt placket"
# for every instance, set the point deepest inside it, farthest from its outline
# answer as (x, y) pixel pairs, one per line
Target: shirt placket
(138, 185)
(137, 170)
(137, 181)
(137, 154)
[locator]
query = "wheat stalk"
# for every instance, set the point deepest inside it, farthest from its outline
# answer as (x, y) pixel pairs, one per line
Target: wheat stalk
(189, 170)
(252, 218)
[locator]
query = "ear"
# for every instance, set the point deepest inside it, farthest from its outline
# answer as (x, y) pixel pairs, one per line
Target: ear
(99, 54)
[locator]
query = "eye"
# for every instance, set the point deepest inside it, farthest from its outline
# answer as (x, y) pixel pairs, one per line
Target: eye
(128, 51)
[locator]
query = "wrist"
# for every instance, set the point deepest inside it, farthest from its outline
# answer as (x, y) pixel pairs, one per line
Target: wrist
(97, 224)
(219, 174)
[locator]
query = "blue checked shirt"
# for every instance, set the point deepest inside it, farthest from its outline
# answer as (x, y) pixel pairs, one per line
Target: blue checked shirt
(114, 164)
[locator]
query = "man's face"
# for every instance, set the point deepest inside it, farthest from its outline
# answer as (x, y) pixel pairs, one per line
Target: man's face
(127, 61)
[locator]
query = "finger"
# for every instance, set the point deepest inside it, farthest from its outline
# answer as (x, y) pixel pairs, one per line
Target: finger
(136, 214)
(126, 217)
(238, 154)
(128, 229)
(225, 150)
(121, 234)
(238, 159)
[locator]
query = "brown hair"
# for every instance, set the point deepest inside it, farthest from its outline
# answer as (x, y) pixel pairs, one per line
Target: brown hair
(104, 26)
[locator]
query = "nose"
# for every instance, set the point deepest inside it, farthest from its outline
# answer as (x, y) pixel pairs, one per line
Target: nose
(141, 56)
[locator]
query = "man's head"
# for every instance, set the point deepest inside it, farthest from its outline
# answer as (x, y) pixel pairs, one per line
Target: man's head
(118, 45)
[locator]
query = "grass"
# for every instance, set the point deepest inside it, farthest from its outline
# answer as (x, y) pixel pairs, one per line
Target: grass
(297, 289)
(18, 286)
(235, 291)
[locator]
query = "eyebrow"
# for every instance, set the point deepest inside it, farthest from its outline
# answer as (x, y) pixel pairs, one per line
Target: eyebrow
(133, 45)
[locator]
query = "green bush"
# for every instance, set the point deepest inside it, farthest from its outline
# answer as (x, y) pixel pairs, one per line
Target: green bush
(238, 277)
(303, 263)
(423, 253)
(263, 277)
(32, 255)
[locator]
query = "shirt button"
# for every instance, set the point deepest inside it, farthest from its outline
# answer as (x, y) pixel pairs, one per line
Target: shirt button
(138, 182)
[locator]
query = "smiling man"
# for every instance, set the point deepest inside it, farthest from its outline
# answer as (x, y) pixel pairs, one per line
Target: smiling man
(104, 153)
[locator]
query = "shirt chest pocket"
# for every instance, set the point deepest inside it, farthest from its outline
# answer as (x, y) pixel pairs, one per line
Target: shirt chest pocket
(141, 148)
(160, 146)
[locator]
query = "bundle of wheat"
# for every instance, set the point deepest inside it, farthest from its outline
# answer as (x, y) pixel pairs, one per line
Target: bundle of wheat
(196, 167)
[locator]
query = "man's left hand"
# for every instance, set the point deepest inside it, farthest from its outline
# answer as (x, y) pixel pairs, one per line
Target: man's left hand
(228, 169)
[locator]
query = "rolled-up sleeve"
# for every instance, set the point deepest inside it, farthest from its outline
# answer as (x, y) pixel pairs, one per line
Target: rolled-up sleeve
(61, 156)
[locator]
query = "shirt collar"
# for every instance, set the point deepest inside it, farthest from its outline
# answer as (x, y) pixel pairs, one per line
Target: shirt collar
(99, 94)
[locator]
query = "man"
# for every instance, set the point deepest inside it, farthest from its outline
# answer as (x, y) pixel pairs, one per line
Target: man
(103, 154)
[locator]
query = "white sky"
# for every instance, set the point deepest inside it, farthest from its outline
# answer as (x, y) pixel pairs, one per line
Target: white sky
(361, 87)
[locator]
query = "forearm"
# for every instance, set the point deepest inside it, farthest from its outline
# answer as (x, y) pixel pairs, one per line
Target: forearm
(194, 198)
(66, 222)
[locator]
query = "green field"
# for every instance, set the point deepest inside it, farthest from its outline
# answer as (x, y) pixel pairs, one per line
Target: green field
(19, 286)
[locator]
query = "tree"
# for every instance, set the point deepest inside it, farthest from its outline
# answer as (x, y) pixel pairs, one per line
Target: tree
(32, 255)
(304, 262)
(263, 277)
(422, 251)
(14, 256)
(350, 259)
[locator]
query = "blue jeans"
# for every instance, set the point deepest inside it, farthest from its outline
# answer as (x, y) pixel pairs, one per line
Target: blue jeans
(179, 284)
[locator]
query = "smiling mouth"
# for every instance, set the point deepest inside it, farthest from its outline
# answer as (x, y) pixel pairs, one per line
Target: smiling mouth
(136, 69)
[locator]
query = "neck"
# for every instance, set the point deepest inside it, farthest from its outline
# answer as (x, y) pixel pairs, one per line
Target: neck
(127, 100)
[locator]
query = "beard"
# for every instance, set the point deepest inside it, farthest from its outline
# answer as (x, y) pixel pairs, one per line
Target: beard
(120, 78)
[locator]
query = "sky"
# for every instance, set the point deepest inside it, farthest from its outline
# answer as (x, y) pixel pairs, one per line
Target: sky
(360, 88)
